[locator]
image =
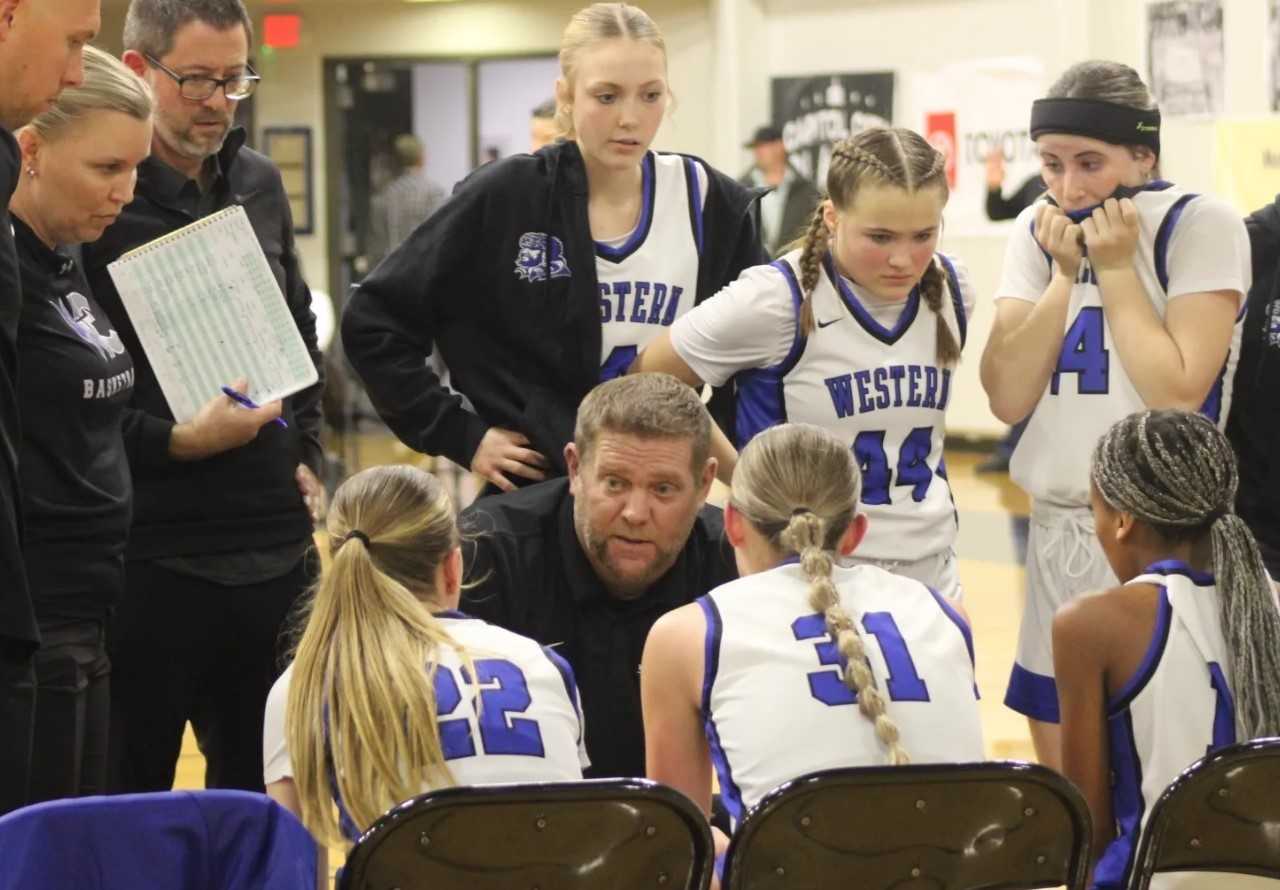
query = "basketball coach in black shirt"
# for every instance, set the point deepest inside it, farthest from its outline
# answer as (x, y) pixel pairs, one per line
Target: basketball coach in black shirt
(586, 564)
(41, 45)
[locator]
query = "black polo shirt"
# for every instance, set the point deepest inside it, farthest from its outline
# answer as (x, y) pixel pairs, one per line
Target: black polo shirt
(532, 578)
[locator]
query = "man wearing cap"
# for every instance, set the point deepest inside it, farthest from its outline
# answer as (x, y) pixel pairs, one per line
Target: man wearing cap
(785, 211)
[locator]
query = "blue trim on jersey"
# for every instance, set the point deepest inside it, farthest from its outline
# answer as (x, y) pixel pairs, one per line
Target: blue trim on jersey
(958, 620)
(1048, 257)
(695, 200)
(729, 791)
(454, 613)
(761, 396)
(1150, 661)
(634, 243)
(1212, 407)
(1224, 712)
(1178, 567)
(957, 299)
(864, 318)
(1032, 695)
(1127, 804)
(1163, 237)
(570, 683)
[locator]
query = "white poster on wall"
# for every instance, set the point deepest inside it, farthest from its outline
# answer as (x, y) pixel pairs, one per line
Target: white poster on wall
(1273, 53)
(1186, 64)
(969, 110)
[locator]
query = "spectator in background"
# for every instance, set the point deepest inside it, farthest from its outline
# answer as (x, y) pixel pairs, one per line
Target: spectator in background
(998, 206)
(786, 210)
(542, 125)
(405, 202)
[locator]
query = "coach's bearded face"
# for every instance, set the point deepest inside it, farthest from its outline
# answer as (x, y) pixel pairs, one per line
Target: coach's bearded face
(635, 502)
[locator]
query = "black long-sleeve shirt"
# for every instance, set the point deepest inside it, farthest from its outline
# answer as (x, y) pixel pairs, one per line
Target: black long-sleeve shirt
(246, 498)
(1000, 208)
(17, 619)
(523, 344)
(532, 578)
(73, 395)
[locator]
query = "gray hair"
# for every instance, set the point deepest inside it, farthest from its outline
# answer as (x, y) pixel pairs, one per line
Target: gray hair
(1176, 472)
(150, 25)
(651, 406)
(108, 86)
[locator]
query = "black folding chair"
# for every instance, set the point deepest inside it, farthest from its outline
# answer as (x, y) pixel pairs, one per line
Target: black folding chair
(1221, 815)
(607, 834)
(941, 827)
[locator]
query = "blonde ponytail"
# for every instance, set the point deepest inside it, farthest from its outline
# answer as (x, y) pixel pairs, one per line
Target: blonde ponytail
(361, 715)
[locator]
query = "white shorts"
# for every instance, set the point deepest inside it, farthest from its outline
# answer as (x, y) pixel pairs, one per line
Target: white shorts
(938, 571)
(1064, 560)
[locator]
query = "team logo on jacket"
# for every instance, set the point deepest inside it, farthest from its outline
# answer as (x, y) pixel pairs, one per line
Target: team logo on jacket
(1273, 323)
(75, 311)
(538, 260)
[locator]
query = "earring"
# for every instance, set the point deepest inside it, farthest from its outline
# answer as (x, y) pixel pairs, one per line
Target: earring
(31, 171)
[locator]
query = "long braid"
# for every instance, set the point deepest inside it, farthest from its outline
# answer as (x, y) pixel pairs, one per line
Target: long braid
(806, 534)
(816, 244)
(794, 464)
(1175, 471)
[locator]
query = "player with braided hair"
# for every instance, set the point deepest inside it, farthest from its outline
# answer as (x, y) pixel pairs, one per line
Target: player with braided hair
(803, 663)
(857, 329)
(1120, 292)
(1182, 657)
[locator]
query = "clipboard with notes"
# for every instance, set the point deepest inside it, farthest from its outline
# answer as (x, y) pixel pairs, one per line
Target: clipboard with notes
(208, 310)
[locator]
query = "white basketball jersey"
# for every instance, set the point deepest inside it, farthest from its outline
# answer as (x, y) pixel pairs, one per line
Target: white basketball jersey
(775, 705)
(526, 727)
(651, 280)
(882, 391)
(1090, 391)
(1178, 707)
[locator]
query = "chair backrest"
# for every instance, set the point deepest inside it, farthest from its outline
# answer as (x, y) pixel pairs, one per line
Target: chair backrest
(179, 840)
(607, 834)
(942, 827)
(1220, 815)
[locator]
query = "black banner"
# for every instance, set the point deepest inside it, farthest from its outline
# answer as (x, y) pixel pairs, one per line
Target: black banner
(816, 112)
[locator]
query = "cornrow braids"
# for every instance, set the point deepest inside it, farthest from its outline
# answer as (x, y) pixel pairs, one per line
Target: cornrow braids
(1175, 471)
(806, 534)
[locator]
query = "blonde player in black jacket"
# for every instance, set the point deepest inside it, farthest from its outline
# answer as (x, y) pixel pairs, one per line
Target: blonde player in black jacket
(546, 273)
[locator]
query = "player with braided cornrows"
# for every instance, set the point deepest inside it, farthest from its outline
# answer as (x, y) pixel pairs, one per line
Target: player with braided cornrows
(858, 330)
(1182, 657)
(1120, 292)
(803, 663)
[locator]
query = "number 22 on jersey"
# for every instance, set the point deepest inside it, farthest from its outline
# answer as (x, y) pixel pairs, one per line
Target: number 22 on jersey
(503, 691)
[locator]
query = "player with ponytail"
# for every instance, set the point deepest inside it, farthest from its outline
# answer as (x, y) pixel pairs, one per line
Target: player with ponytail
(1182, 657)
(386, 663)
(858, 330)
(803, 663)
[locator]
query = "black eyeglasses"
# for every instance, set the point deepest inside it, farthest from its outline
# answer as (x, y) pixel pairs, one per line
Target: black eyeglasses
(199, 87)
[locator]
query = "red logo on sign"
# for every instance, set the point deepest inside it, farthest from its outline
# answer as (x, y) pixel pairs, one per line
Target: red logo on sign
(940, 130)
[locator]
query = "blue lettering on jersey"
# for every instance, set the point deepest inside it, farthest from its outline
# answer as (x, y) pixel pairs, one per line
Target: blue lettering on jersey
(1086, 275)
(623, 301)
(503, 691)
(828, 687)
(927, 387)
(1085, 353)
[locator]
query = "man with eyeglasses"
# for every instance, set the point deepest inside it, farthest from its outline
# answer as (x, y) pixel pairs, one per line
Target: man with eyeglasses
(220, 546)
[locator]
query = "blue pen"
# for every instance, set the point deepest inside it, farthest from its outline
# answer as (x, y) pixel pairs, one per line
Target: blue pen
(247, 402)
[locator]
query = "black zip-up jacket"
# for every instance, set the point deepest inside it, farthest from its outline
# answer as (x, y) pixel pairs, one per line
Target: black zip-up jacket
(1253, 425)
(524, 348)
(246, 498)
(18, 633)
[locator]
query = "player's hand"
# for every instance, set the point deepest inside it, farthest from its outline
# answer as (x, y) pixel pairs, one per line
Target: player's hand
(1062, 238)
(995, 169)
(504, 452)
(312, 491)
(220, 425)
(1111, 235)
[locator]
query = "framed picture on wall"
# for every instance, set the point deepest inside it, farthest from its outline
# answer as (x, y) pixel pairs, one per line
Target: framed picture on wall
(1186, 56)
(816, 111)
(290, 149)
